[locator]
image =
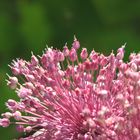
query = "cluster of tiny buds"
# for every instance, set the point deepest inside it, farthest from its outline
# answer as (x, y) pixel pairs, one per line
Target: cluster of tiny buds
(63, 96)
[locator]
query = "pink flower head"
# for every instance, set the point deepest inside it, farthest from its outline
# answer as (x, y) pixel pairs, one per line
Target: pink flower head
(61, 98)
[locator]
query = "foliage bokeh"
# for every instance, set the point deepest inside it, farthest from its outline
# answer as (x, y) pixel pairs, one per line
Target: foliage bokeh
(27, 26)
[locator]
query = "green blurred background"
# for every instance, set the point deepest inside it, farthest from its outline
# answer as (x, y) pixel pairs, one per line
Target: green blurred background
(27, 26)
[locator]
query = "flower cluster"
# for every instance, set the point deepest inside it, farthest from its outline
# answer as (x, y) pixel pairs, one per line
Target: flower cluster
(66, 97)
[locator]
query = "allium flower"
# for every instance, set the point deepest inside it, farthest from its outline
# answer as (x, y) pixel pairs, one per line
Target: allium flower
(66, 97)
